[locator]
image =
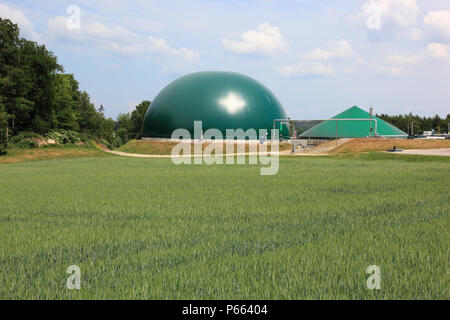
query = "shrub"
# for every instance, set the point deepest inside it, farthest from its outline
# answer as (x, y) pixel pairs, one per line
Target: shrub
(27, 144)
(27, 140)
(2, 150)
(64, 136)
(117, 142)
(26, 136)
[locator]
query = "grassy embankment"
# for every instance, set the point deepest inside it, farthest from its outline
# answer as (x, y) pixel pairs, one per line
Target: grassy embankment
(370, 145)
(51, 152)
(165, 148)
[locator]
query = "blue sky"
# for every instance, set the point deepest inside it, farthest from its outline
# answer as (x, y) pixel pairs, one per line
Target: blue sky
(318, 57)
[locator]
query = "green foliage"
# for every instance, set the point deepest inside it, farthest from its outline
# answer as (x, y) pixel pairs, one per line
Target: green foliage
(130, 126)
(27, 140)
(37, 97)
(117, 142)
(27, 144)
(160, 231)
(26, 135)
(403, 122)
(3, 129)
(67, 102)
(64, 136)
(137, 117)
(27, 73)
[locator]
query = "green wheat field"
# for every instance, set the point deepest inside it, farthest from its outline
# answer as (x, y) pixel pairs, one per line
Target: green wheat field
(148, 229)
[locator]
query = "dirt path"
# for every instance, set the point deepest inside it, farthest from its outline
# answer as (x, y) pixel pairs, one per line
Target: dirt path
(429, 152)
(324, 148)
(168, 156)
(321, 150)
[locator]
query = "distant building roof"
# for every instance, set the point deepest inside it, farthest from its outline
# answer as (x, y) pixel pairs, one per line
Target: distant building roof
(353, 129)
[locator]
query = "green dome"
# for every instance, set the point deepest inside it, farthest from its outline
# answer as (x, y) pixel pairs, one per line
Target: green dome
(221, 100)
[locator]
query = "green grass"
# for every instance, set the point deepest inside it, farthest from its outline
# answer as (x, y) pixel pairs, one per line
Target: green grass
(165, 148)
(147, 229)
(16, 154)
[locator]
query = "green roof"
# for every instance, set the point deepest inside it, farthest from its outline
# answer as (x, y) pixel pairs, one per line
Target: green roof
(353, 129)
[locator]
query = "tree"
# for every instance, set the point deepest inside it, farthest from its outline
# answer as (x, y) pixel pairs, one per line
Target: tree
(42, 68)
(3, 129)
(130, 126)
(9, 46)
(125, 127)
(88, 119)
(403, 122)
(27, 76)
(36, 96)
(137, 116)
(67, 102)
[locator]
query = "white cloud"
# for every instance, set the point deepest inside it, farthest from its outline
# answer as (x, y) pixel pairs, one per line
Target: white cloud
(438, 50)
(438, 23)
(398, 59)
(18, 17)
(265, 40)
(120, 40)
(398, 65)
(306, 69)
(415, 34)
(390, 19)
(400, 13)
(335, 50)
(391, 71)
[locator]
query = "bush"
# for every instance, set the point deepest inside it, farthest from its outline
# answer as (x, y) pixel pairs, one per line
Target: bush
(117, 142)
(87, 139)
(64, 136)
(27, 144)
(27, 140)
(26, 136)
(105, 143)
(2, 150)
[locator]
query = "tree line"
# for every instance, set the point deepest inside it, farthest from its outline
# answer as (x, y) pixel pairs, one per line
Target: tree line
(37, 96)
(419, 124)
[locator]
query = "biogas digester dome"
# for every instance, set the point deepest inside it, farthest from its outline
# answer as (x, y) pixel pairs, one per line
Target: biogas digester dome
(221, 100)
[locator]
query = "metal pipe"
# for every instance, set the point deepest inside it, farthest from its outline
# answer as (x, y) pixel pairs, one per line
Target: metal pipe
(277, 120)
(293, 134)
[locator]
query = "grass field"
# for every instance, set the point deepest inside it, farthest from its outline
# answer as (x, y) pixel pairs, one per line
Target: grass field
(147, 229)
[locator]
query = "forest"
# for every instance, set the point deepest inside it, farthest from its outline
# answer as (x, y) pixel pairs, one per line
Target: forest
(413, 124)
(36, 96)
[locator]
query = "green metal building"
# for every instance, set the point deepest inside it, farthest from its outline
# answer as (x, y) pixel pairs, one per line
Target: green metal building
(362, 128)
(221, 100)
